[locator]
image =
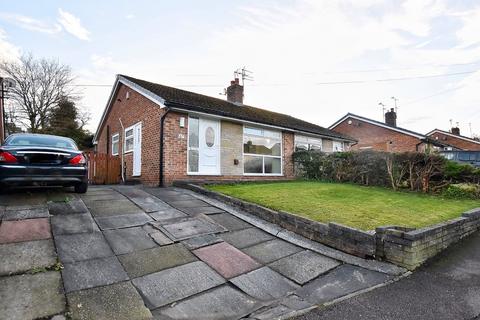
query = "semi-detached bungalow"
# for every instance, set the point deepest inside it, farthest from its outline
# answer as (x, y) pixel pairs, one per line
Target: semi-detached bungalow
(164, 134)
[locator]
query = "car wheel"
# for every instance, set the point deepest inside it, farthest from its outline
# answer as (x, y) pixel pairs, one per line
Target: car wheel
(81, 188)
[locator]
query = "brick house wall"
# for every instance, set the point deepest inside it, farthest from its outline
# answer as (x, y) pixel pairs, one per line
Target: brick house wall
(456, 142)
(135, 109)
(374, 137)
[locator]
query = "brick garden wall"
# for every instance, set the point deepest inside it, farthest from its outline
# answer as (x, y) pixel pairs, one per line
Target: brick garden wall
(377, 138)
(405, 247)
(409, 248)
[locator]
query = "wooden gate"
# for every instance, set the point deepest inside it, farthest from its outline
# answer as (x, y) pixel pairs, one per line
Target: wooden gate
(103, 168)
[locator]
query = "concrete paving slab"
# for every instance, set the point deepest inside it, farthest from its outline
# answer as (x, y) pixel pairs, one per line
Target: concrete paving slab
(170, 285)
(159, 237)
(118, 301)
(246, 238)
(264, 284)
(304, 266)
(75, 223)
(220, 303)
(128, 240)
(191, 228)
(343, 280)
(202, 210)
(31, 296)
(61, 196)
(25, 230)
(92, 273)
(148, 261)
(23, 256)
(131, 191)
(27, 199)
(149, 203)
(70, 207)
(201, 241)
(226, 259)
(167, 214)
(229, 221)
(188, 203)
(82, 246)
(175, 196)
(104, 196)
(123, 221)
(270, 251)
(113, 208)
(31, 213)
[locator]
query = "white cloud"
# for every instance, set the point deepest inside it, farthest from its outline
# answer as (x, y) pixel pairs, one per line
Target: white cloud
(73, 25)
(8, 51)
(30, 23)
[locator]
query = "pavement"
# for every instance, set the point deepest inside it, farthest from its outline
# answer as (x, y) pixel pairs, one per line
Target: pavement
(447, 287)
(128, 252)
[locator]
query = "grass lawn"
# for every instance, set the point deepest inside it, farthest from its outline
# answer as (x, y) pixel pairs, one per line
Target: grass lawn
(356, 206)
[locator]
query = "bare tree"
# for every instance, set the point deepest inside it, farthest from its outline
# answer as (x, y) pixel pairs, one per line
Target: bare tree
(40, 85)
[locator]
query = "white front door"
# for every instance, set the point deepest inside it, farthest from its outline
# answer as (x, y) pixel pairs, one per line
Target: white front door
(137, 149)
(209, 146)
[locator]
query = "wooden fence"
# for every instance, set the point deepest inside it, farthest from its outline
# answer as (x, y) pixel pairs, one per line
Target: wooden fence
(103, 168)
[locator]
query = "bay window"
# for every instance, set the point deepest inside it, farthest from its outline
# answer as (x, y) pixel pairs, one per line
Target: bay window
(262, 151)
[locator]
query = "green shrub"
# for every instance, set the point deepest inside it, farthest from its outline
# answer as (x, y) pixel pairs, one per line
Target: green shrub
(462, 191)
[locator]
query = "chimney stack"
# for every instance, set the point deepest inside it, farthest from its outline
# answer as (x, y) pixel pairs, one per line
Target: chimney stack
(456, 131)
(391, 118)
(235, 92)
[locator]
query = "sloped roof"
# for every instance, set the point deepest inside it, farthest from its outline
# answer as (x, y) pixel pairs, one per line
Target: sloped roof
(453, 135)
(186, 100)
(378, 123)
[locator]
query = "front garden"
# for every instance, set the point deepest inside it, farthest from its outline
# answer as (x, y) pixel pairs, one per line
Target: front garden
(362, 207)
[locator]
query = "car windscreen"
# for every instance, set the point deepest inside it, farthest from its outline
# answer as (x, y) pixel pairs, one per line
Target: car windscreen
(41, 141)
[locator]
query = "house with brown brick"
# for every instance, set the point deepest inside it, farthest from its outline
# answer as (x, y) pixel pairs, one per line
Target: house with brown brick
(164, 134)
(385, 136)
(454, 139)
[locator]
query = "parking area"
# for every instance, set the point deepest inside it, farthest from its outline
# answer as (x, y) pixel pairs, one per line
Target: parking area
(127, 252)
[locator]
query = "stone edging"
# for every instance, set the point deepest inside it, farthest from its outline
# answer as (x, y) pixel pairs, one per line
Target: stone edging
(406, 247)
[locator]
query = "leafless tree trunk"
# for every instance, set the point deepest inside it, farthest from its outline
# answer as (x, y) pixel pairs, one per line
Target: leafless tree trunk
(40, 85)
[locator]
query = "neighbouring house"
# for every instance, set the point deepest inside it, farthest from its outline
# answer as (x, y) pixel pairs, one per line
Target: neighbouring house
(164, 134)
(454, 139)
(385, 136)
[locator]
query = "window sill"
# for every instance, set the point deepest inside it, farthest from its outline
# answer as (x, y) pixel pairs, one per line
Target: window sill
(263, 174)
(203, 174)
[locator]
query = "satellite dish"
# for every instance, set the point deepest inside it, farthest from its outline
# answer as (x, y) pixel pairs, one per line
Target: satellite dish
(8, 83)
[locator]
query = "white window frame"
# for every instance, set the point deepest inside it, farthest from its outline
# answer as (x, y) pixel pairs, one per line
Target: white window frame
(342, 146)
(262, 155)
(117, 137)
(125, 139)
(303, 139)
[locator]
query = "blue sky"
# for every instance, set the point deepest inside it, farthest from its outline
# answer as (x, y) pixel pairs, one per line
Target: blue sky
(315, 60)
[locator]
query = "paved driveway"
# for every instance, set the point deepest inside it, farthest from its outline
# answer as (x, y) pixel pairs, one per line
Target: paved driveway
(127, 252)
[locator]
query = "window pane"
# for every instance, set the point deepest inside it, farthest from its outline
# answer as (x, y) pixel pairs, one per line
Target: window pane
(129, 144)
(260, 145)
(301, 147)
(193, 132)
(209, 137)
(255, 131)
(273, 165)
(129, 133)
(193, 160)
(115, 138)
(115, 147)
(316, 147)
(253, 164)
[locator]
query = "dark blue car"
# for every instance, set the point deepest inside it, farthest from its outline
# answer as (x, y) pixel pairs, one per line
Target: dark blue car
(40, 159)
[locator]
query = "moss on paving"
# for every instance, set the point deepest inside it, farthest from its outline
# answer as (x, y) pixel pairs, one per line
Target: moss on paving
(352, 205)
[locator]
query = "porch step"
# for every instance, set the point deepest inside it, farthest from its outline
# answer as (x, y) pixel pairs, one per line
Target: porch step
(132, 181)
